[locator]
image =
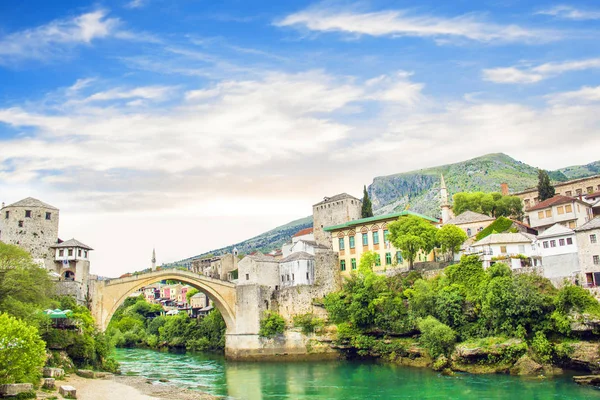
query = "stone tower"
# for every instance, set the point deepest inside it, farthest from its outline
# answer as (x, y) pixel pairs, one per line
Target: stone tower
(331, 211)
(33, 226)
(444, 203)
(153, 259)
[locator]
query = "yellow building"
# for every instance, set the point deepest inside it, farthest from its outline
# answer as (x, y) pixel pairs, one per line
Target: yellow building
(351, 239)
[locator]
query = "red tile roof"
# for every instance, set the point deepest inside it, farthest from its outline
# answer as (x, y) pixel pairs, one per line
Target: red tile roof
(592, 195)
(303, 232)
(554, 201)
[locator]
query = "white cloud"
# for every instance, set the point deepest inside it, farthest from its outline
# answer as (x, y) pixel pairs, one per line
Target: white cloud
(156, 93)
(586, 94)
(570, 12)
(537, 73)
(136, 4)
(402, 23)
(46, 41)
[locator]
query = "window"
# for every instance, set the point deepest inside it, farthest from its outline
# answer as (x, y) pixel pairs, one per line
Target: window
(388, 258)
(561, 242)
(526, 203)
(548, 213)
(521, 248)
(568, 208)
(78, 252)
(560, 210)
(288, 277)
(502, 249)
(341, 243)
(578, 191)
(282, 278)
(342, 265)
(572, 224)
(375, 237)
(351, 240)
(48, 216)
(365, 239)
(70, 252)
(553, 243)
(593, 238)
(569, 240)
(353, 263)
(307, 278)
(247, 277)
(469, 232)
(27, 213)
(61, 253)
(6, 214)
(386, 233)
(378, 260)
(399, 257)
(480, 229)
(540, 215)
(546, 244)
(293, 277)
(20, 224)
(590, 189)
(596, 260)
(568, 193)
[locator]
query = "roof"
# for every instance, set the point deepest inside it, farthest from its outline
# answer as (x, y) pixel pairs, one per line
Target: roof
(263, 258)
(71, 243)
(377, 218)
(303, 232)
(337, 197)
(31, 202)
(555, 201)
(313, 243)
(502, 238)
(556, 230)
(592, 195)
(299, 255)
(591, 224)
(469, 217)
(199, 294)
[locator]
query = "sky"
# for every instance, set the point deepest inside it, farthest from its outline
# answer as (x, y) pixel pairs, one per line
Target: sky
(188, 125)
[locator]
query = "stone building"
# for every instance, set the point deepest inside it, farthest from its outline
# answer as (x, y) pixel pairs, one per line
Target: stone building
(259, 269)
(218, 267)
(588, 245)
(297, 269)
(351, 239)
(72, 264)
(331, 211)
(33, 226)
(571, 188)
(471, 222)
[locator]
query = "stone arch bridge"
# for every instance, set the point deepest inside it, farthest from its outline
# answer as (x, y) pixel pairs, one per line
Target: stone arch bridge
(108, 295)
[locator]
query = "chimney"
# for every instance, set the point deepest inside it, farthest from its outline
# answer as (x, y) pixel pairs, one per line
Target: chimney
(504, 188)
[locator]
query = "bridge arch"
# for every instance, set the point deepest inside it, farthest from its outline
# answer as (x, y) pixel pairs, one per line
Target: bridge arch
(110, 294)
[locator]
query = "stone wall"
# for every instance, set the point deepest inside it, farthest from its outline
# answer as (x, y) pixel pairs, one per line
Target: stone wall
(570, 188)
(561, 266)
(289, 346)
(333, 213)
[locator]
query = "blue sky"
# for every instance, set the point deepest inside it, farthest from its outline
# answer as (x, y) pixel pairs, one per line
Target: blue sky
(189, 125)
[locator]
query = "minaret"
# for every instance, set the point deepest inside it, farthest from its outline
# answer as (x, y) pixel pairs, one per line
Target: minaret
(444, 203)
(153, 259)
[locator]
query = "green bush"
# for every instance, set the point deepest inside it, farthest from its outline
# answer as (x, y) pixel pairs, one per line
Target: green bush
(22, 351)
(308, 323)
(436, 337)
(271, 324)
(541, 347)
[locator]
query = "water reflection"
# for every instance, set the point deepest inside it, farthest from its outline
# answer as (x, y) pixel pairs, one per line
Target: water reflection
(337, 380)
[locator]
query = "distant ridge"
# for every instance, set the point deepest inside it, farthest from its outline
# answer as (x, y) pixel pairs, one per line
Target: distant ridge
(419, 190)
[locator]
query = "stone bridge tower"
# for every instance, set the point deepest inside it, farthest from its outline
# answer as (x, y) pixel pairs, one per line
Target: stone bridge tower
(331, 211)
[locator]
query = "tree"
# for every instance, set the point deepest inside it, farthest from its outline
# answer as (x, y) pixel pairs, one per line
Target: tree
(367, 207)
(22, 351)
(544, 187)
(493, 204)
(450, 238)
(412, 234)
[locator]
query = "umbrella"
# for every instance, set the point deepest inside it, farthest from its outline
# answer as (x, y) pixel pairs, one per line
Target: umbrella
(58, 313)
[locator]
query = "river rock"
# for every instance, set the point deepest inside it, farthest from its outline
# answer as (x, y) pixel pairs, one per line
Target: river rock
(584, 355)
(14, 389)
(53, 372)
(472, 354)
(440, 363)
(86, 373)
(526, 366)
(49, 383)
(584, 323)
(591, 380)
(68, 392)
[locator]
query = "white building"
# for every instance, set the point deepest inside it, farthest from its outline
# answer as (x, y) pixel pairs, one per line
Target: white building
(304, 235)
(568, 211)
(558, 248)
(258, 269)
(297, 269)
(514, 249)
(588, 244)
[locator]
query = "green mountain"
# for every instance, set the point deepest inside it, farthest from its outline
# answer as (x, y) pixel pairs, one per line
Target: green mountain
(419, 191)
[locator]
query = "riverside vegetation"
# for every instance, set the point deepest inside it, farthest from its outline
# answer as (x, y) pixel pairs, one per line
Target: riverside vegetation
(466, 319)
(28, 339)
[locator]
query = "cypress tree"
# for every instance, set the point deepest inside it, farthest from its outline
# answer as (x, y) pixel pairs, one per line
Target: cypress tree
(367, 207)
(545, 188)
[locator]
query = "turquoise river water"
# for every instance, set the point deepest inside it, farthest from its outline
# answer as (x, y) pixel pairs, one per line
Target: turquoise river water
(336, 379)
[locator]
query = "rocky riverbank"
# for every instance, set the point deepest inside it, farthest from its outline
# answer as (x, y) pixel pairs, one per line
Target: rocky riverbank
(124, 387)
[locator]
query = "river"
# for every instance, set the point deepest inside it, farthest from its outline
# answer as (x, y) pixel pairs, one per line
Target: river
(336, 379)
